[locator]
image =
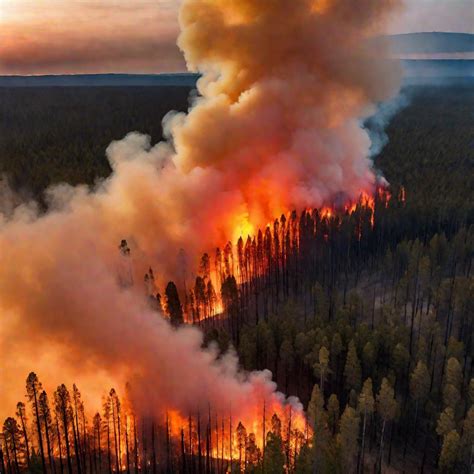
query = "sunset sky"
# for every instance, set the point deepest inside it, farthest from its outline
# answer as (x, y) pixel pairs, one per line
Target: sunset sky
(96, 36)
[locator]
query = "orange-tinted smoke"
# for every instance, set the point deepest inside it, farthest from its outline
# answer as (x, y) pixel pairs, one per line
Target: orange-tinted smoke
(277, 127)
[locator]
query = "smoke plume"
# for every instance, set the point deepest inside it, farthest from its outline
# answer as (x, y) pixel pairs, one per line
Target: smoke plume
(276, 127)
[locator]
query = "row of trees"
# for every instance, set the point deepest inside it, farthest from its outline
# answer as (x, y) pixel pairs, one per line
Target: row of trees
(59, 437)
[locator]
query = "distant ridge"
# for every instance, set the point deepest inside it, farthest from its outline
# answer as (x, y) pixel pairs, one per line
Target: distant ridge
(424, 56)
(431, 43)
(105, 80)
(442, 69)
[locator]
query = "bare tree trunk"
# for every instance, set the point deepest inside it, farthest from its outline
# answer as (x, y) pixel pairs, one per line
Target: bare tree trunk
(38, 427)
(360, 467)
(183, 454)
(2, 462)
(126, 445)
(48, 447)
(25, 436)
(75, 430)
(15, 454)
(379, 469)
(115, 437)
(135, 443)
(66, 439)
(153, 447)
(109, 454)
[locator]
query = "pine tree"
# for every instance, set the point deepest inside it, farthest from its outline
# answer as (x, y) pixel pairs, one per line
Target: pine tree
(241, 444)
(21, 414)
(348, 438)
(352, 371)
(318, 418)
(333, 413)
(274, 455)
(366, 408)
(452, 385)
(446, 422)
(252, 452)
(321, 367)
(448, 458)
(45, 414)
(33, 389)
(12, 438)
(62, 403)
(173, 304)
(419, 388)
(386, 408)
(467, 440)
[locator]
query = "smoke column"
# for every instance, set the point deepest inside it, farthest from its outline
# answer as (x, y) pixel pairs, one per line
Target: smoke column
(277, 126)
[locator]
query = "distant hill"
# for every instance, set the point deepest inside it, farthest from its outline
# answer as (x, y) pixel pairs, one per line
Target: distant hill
(425, 56)
(432, 43)
(88, 80)
(427, 70)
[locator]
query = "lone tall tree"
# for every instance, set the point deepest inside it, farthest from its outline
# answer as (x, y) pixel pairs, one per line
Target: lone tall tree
(33, 389)
(173, 304)
(62, 405)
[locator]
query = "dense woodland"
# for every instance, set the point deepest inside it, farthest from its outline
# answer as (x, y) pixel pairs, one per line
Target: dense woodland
(367, 315)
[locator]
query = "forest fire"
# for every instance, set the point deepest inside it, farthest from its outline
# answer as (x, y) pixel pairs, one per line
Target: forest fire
(271, 131)
(253, 251)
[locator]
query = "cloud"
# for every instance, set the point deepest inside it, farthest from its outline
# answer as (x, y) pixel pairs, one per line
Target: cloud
(49, 36)
(71, 54)
(434, 15)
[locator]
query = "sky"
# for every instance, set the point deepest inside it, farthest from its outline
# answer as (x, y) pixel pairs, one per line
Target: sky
(139, 36)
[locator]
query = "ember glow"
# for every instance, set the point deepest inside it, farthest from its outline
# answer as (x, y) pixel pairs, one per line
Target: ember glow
(276, 128)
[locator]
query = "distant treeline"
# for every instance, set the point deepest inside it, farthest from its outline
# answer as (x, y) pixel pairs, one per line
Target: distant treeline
(60, 134)
(52, 135)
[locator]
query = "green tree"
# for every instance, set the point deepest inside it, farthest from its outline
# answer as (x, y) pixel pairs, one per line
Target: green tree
(419, 387)
(348, 438)
(287, 358)
(452, 383)
(274, 454)
(386, 409)
(352, 371)
(368, 357)
(446, 422)
(318, 419)
(321, 367)
(449, 452)
(366, 408)
(467, 440)
(333, 413)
